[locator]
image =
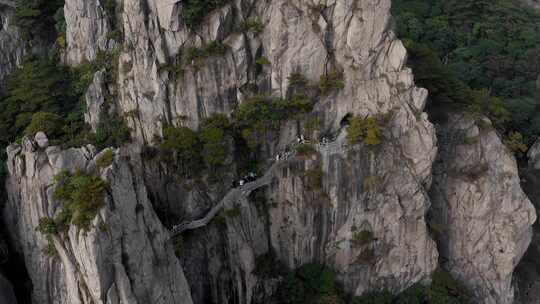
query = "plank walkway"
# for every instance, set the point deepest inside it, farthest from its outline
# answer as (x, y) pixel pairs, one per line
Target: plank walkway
(335, 147)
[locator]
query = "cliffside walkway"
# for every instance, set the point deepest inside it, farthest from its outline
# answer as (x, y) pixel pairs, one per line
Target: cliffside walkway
(243, 191)
(8, 3)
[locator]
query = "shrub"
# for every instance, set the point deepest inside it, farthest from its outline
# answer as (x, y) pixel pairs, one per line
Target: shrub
(514, 142)
(305, 150)
(111, 131)
(262, 61)
(297, 79)
(82, 196)
(194, 11)
(197, 55)
(37, 18)
(364, 129)
(184, 146)
(333, 81)
(252, 25)
(363, 237)
(46, 122)
(47, 226)
(299, 104)
(215, 149)
(311, 283)
(106, 159)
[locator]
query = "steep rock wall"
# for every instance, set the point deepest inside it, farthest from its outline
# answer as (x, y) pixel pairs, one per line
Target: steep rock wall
(481, 215)
(123, 258)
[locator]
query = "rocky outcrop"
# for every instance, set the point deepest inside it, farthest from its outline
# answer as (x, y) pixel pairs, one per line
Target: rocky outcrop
(528, 270)
(88, 29)
(11, 44)
(123, 258)
(366, 219)
(157, 86)
(482, 217)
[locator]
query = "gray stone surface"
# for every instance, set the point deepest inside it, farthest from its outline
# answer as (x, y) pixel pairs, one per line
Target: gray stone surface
(123, 258)
(483, 217)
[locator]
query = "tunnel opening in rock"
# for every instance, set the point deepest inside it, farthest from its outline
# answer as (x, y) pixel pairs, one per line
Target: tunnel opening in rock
(346, 120)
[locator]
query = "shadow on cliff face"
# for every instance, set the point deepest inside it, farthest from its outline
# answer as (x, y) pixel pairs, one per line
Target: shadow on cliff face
(527, 273)
(13, 268)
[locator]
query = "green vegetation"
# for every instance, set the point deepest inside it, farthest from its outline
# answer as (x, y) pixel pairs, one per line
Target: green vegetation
(82, 196)
(514, 142)
(363, 237)
(262, 61)
(476, 55)
(183, 146)
(194, 11)
(49, 123)
(297, 79)
(198, 55)
(333, 81)
(213, 136)
(106, 159)
(195, 151)
(37, 18)
(311, 283)
(43, 96)
(47, 226)
(260, 114)
(443, 290)
(305, 150)
(252, 25)
(111, 131)
(366, 130)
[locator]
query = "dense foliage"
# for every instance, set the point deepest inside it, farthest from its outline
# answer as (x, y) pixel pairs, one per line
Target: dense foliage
(443, 290)
(366, 130)
(194, 11)
(316, 283)
(311, 283)
(82, 196)
(42, 95)
(194, 151)
(36, 18)
(476, 54)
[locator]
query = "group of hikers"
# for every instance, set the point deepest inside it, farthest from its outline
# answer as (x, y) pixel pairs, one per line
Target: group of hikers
(280, 156)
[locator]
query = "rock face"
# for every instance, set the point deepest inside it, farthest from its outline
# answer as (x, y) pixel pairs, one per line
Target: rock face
(11, 44)
(482, 216)
(6, 292)
(87, 30)
(528, 271)
(123, 258)
(379, 191)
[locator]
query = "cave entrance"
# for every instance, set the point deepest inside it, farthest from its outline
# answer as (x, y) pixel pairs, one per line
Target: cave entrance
(346, 120)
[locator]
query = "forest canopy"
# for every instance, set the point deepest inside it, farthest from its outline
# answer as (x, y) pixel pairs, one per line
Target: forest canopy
(477, 54)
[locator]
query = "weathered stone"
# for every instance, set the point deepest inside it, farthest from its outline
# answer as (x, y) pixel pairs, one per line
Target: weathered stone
(41, 140)
(123, 258)
(482, 217)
